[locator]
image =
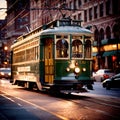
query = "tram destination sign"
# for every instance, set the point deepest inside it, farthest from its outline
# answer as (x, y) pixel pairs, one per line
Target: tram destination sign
(69, 22)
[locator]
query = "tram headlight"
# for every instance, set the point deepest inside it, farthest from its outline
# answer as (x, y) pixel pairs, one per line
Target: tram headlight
(67, 69)
(77, 70)
(84, 69)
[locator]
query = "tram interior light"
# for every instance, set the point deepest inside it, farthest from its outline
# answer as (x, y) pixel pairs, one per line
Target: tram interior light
(67, 69)
(62, 52)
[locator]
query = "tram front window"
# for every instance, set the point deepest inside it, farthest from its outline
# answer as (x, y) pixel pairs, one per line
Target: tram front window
(62, 49)
(77, 49)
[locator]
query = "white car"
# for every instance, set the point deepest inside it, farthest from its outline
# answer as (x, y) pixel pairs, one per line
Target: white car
(102, 74)
(5, 73)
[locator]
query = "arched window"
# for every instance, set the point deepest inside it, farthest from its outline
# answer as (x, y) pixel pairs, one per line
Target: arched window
(62, 49)
(116, 31)
(77, 49)
(108, 33)
(88, 49)
(101, 34)
(96, 33)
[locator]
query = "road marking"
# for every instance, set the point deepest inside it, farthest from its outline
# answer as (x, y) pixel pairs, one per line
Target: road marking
(8, 98)
(19, 104)
(42, 108)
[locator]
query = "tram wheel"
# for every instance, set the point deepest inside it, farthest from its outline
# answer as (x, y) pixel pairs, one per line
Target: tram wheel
(54, 91)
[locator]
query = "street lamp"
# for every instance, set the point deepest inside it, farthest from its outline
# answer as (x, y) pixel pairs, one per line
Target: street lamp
(5, 55)
(5, 48)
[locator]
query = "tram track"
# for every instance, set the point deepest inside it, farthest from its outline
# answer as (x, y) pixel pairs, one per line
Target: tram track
(100, 105)
(104, 102)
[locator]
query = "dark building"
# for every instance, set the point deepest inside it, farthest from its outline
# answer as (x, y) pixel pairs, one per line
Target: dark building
(101, 16)
(18, 19)
(3, 42)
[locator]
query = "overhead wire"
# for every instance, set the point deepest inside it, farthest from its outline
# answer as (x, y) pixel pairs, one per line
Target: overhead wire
(19, 13)
(15, 16)
(31, 9)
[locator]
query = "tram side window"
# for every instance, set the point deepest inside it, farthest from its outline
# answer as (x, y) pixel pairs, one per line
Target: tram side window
(88, 49)
(62, 49)
(77, 49)
(30, 54)
(19, 57)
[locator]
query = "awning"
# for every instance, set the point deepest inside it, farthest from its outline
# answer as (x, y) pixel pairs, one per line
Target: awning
(109, 53)
(106, 53)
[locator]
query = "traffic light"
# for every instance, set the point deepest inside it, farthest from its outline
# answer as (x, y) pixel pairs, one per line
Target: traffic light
(114, 58)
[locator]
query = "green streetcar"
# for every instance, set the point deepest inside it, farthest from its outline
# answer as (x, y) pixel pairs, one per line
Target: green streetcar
(55, 57)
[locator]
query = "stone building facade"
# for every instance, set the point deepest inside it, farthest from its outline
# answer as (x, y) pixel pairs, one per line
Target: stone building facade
(18, 19)
(101, 16)
(104, 18)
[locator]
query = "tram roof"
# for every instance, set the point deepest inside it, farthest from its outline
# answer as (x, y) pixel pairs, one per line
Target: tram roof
(67, 30)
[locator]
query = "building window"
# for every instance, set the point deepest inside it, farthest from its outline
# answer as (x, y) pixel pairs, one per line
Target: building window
(95, 12)
(79, 3)
(108, 33)
(101, 34)
(74, 17)
(96, 35)
(75, 6)
(101, 10)
(116, 31)
(90, 14)
(108, 7)
(79, 16)
(85, 1)
(85, 15)
(116, 7)
(71, 5)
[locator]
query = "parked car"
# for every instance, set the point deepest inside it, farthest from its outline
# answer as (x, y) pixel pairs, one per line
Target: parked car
(102, 74)
(5, 73)
(113, 82)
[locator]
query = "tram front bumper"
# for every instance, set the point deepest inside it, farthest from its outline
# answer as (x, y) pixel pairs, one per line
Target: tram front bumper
(73, 85)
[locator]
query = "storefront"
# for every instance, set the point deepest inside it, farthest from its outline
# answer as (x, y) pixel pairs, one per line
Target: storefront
(107, 55)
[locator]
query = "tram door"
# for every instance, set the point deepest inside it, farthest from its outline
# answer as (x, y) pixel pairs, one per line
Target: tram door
(48, 61)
